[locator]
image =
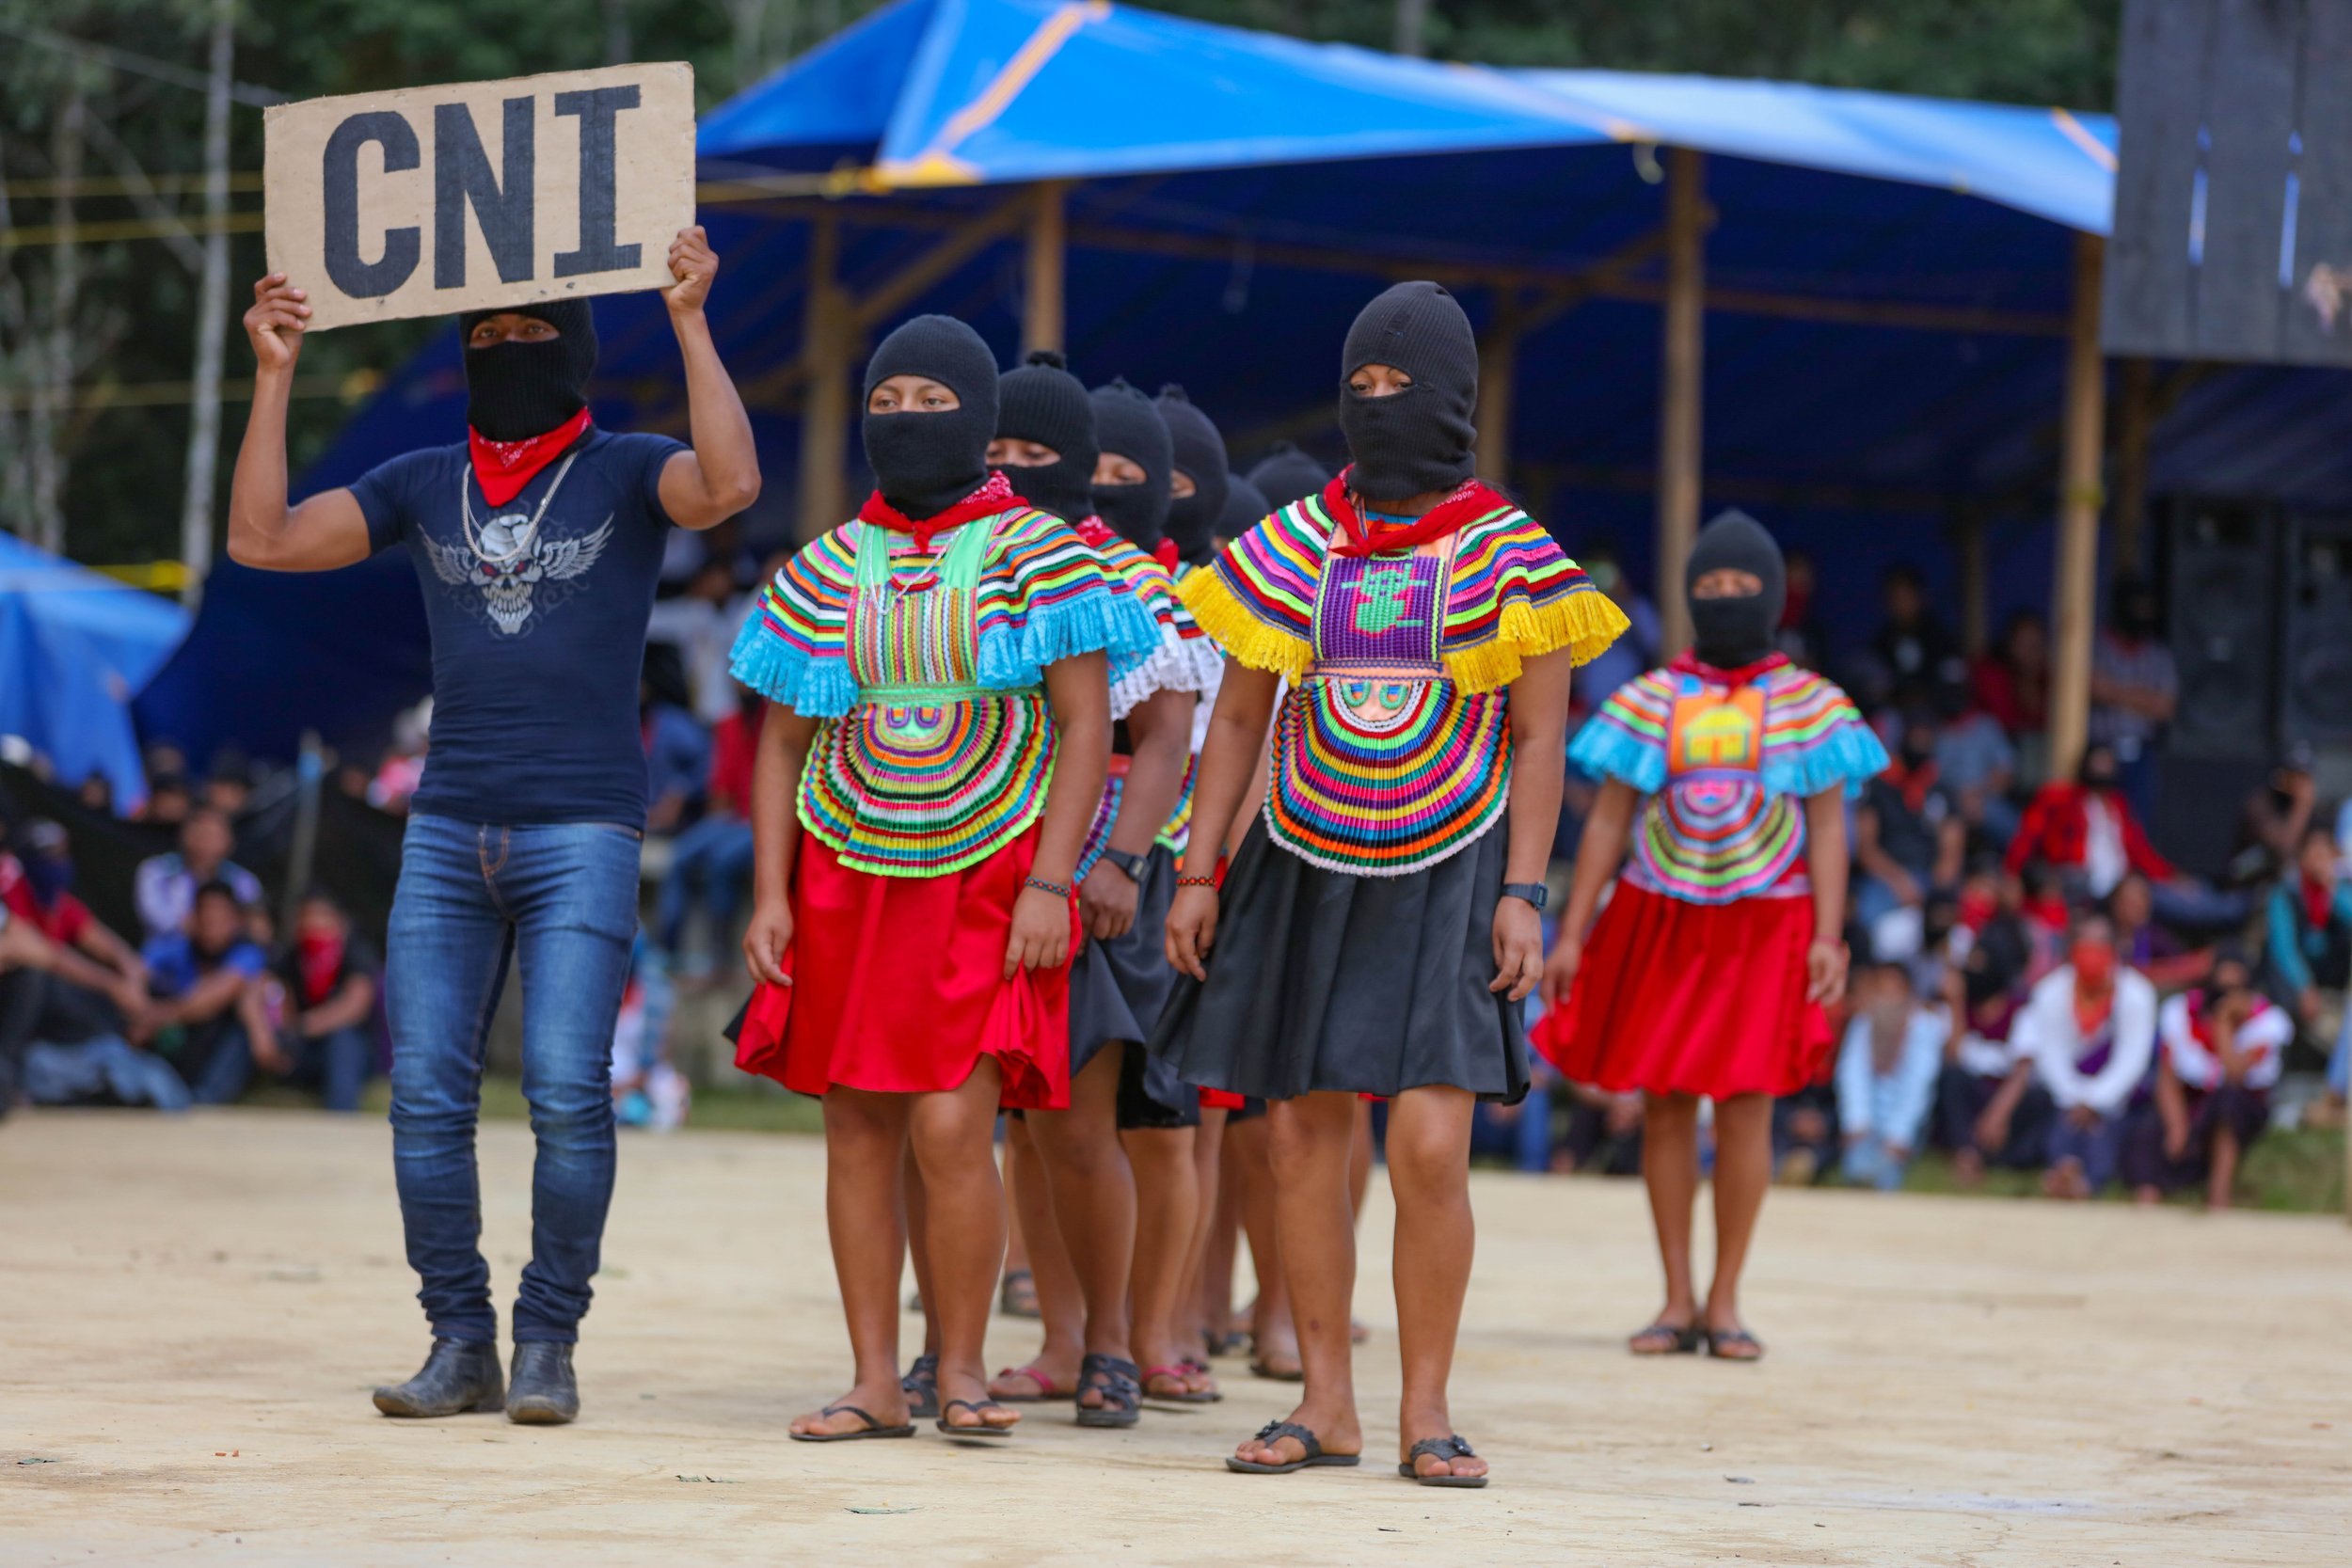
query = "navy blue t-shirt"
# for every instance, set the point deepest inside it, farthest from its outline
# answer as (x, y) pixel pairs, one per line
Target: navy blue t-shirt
(538, 632)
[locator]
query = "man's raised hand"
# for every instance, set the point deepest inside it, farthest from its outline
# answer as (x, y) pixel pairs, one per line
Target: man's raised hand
(276, 323)
(694, 264)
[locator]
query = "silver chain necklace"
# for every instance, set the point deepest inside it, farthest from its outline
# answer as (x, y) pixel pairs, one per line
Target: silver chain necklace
(530, 533)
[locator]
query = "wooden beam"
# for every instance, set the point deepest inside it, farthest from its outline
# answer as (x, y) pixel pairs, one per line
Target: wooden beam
(2075, 592)
(1043, 275)
(2135, 396)
(1681, 370)
(826, 346)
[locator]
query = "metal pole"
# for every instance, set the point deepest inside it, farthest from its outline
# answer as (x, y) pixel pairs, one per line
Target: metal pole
(1681, 366)
(1044, 269)
(211, 317)
(2074, 594)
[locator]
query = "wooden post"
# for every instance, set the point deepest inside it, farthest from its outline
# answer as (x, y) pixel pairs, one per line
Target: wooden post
(2134, 393)
(1680, 368)
(1975, 578)
(1498, 369)
(826, 331)
(2074, 594)
(1043, 280)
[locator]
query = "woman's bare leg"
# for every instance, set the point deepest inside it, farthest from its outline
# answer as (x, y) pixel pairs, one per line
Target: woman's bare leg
(1429, 1132)
(1670, 1169)
(953, 1135)
(910, 1187)
(1276, 1337)
(1094, 1202)
(1060, 1307)
(1309, 1145)
(1743, 1172)
(865, 1135)
(1199, 1318)
(1168, 1211)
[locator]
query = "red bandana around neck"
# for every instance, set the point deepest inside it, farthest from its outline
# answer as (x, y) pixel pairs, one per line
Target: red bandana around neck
(993, 495)
(1470, 500)
(1095, 532)
(1168, 558)
(506, 466)
(1690, 664)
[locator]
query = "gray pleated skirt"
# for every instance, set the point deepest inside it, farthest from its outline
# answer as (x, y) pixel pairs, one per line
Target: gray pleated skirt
(1118, 990)
(1321, 980)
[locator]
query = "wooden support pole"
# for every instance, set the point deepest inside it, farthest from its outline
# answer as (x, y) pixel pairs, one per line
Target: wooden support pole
(1043, 269)
(2134, 397)
(1681, 366)
(1975, 582)
(1498, 371)
(826, 334)
(2075, 592)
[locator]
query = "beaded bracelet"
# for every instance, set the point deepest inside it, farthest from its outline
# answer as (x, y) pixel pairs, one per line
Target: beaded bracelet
(1059, 889)
(1196, 881)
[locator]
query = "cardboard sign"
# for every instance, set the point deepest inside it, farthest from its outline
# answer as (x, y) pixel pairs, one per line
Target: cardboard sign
(430, 201)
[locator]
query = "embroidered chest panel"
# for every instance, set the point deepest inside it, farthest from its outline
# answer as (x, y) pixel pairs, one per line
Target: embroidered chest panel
(1715, 833)
(1382, 766)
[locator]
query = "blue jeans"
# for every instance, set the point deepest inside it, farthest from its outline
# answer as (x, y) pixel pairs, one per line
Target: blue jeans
(2097, 1148)
(715, 853)
(65, 1074)
(2340, 1061)
(561, 899)
(1871, 1161)
(221, 1078)
(1524, 1135)
(338, 1063)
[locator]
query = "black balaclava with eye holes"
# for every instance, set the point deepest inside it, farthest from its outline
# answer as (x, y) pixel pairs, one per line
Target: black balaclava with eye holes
(1420, 439)
(925, 462)
(1731, 634)
(1126, 422)
(1200, 457)
(515, 391)
(1042, 402)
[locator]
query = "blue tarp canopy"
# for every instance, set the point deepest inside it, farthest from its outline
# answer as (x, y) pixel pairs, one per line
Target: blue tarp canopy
(73, 646)
(1889, 279)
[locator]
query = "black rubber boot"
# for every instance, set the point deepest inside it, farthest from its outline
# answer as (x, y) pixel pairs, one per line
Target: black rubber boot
(459, 1375)
(542, 1391)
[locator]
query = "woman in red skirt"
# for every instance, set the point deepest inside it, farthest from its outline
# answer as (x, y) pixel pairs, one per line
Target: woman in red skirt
(1707, 974)
(937, 747)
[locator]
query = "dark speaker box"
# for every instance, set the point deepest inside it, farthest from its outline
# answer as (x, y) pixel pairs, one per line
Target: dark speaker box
(2223, 561)
(2315, 671)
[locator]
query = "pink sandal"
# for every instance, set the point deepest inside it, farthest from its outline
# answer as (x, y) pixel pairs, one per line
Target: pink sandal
(1045, 1390)
(1180, 1374)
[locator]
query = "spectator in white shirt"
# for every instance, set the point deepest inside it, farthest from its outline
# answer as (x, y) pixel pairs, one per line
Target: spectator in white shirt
(2222, 1046)
(2091, 1030)
(1887, 1077)
(164, 885)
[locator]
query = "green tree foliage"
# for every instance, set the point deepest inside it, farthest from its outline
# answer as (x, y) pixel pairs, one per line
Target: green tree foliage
(127, 313)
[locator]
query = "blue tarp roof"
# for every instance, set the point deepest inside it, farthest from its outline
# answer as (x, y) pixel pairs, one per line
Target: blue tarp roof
(1237, 196)
(75, 645)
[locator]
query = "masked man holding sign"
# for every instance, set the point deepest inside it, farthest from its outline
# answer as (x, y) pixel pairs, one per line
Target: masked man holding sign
(537, 541)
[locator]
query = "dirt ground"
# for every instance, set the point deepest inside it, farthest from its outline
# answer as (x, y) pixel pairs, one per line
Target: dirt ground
(196, 1308)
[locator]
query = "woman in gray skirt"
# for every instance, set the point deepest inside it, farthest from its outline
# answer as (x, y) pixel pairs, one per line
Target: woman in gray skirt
(1375, 935)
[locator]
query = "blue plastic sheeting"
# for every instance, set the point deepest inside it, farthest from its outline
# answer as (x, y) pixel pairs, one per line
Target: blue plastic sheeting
(73, 646)
(1220, 175)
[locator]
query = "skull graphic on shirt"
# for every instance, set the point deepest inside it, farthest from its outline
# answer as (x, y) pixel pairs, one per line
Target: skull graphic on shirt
(513, 562)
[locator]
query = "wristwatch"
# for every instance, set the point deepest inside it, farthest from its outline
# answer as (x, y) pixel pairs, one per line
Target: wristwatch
(1533, 892)
(1131, 864)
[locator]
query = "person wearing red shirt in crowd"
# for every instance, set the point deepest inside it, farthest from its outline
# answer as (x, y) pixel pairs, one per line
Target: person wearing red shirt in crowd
(714, 856)
(2012, 682)
(2086, 829)
(94, 981)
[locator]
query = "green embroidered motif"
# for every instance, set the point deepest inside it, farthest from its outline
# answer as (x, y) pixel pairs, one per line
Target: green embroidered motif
(1382, 597)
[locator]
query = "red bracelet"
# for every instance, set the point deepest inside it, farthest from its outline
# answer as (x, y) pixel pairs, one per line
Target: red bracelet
(1196, 881)
(1058, 890)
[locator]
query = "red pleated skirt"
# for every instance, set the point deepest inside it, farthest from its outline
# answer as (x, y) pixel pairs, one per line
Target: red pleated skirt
(1681, 998)
(899, 983)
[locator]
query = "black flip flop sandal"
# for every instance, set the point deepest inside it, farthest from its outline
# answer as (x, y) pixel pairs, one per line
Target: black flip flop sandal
(1448, 1448)
(872, 1428)
(1718, 1339)
(1016, 1294)
(1118, 1383)
(1307, 1440)
(1687, 1340)
(979, 1428)
(921, 1388)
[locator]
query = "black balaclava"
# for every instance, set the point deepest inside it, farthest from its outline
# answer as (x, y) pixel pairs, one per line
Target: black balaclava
(1126, 422)
(1042, 402)
(1733, 633)
(925, 462)
(515, 391)
(1420, 439)
(1200, 457)
(1245, 507)
(1286, 474)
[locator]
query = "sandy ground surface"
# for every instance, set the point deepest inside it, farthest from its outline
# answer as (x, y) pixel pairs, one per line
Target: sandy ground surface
(196, 1309)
